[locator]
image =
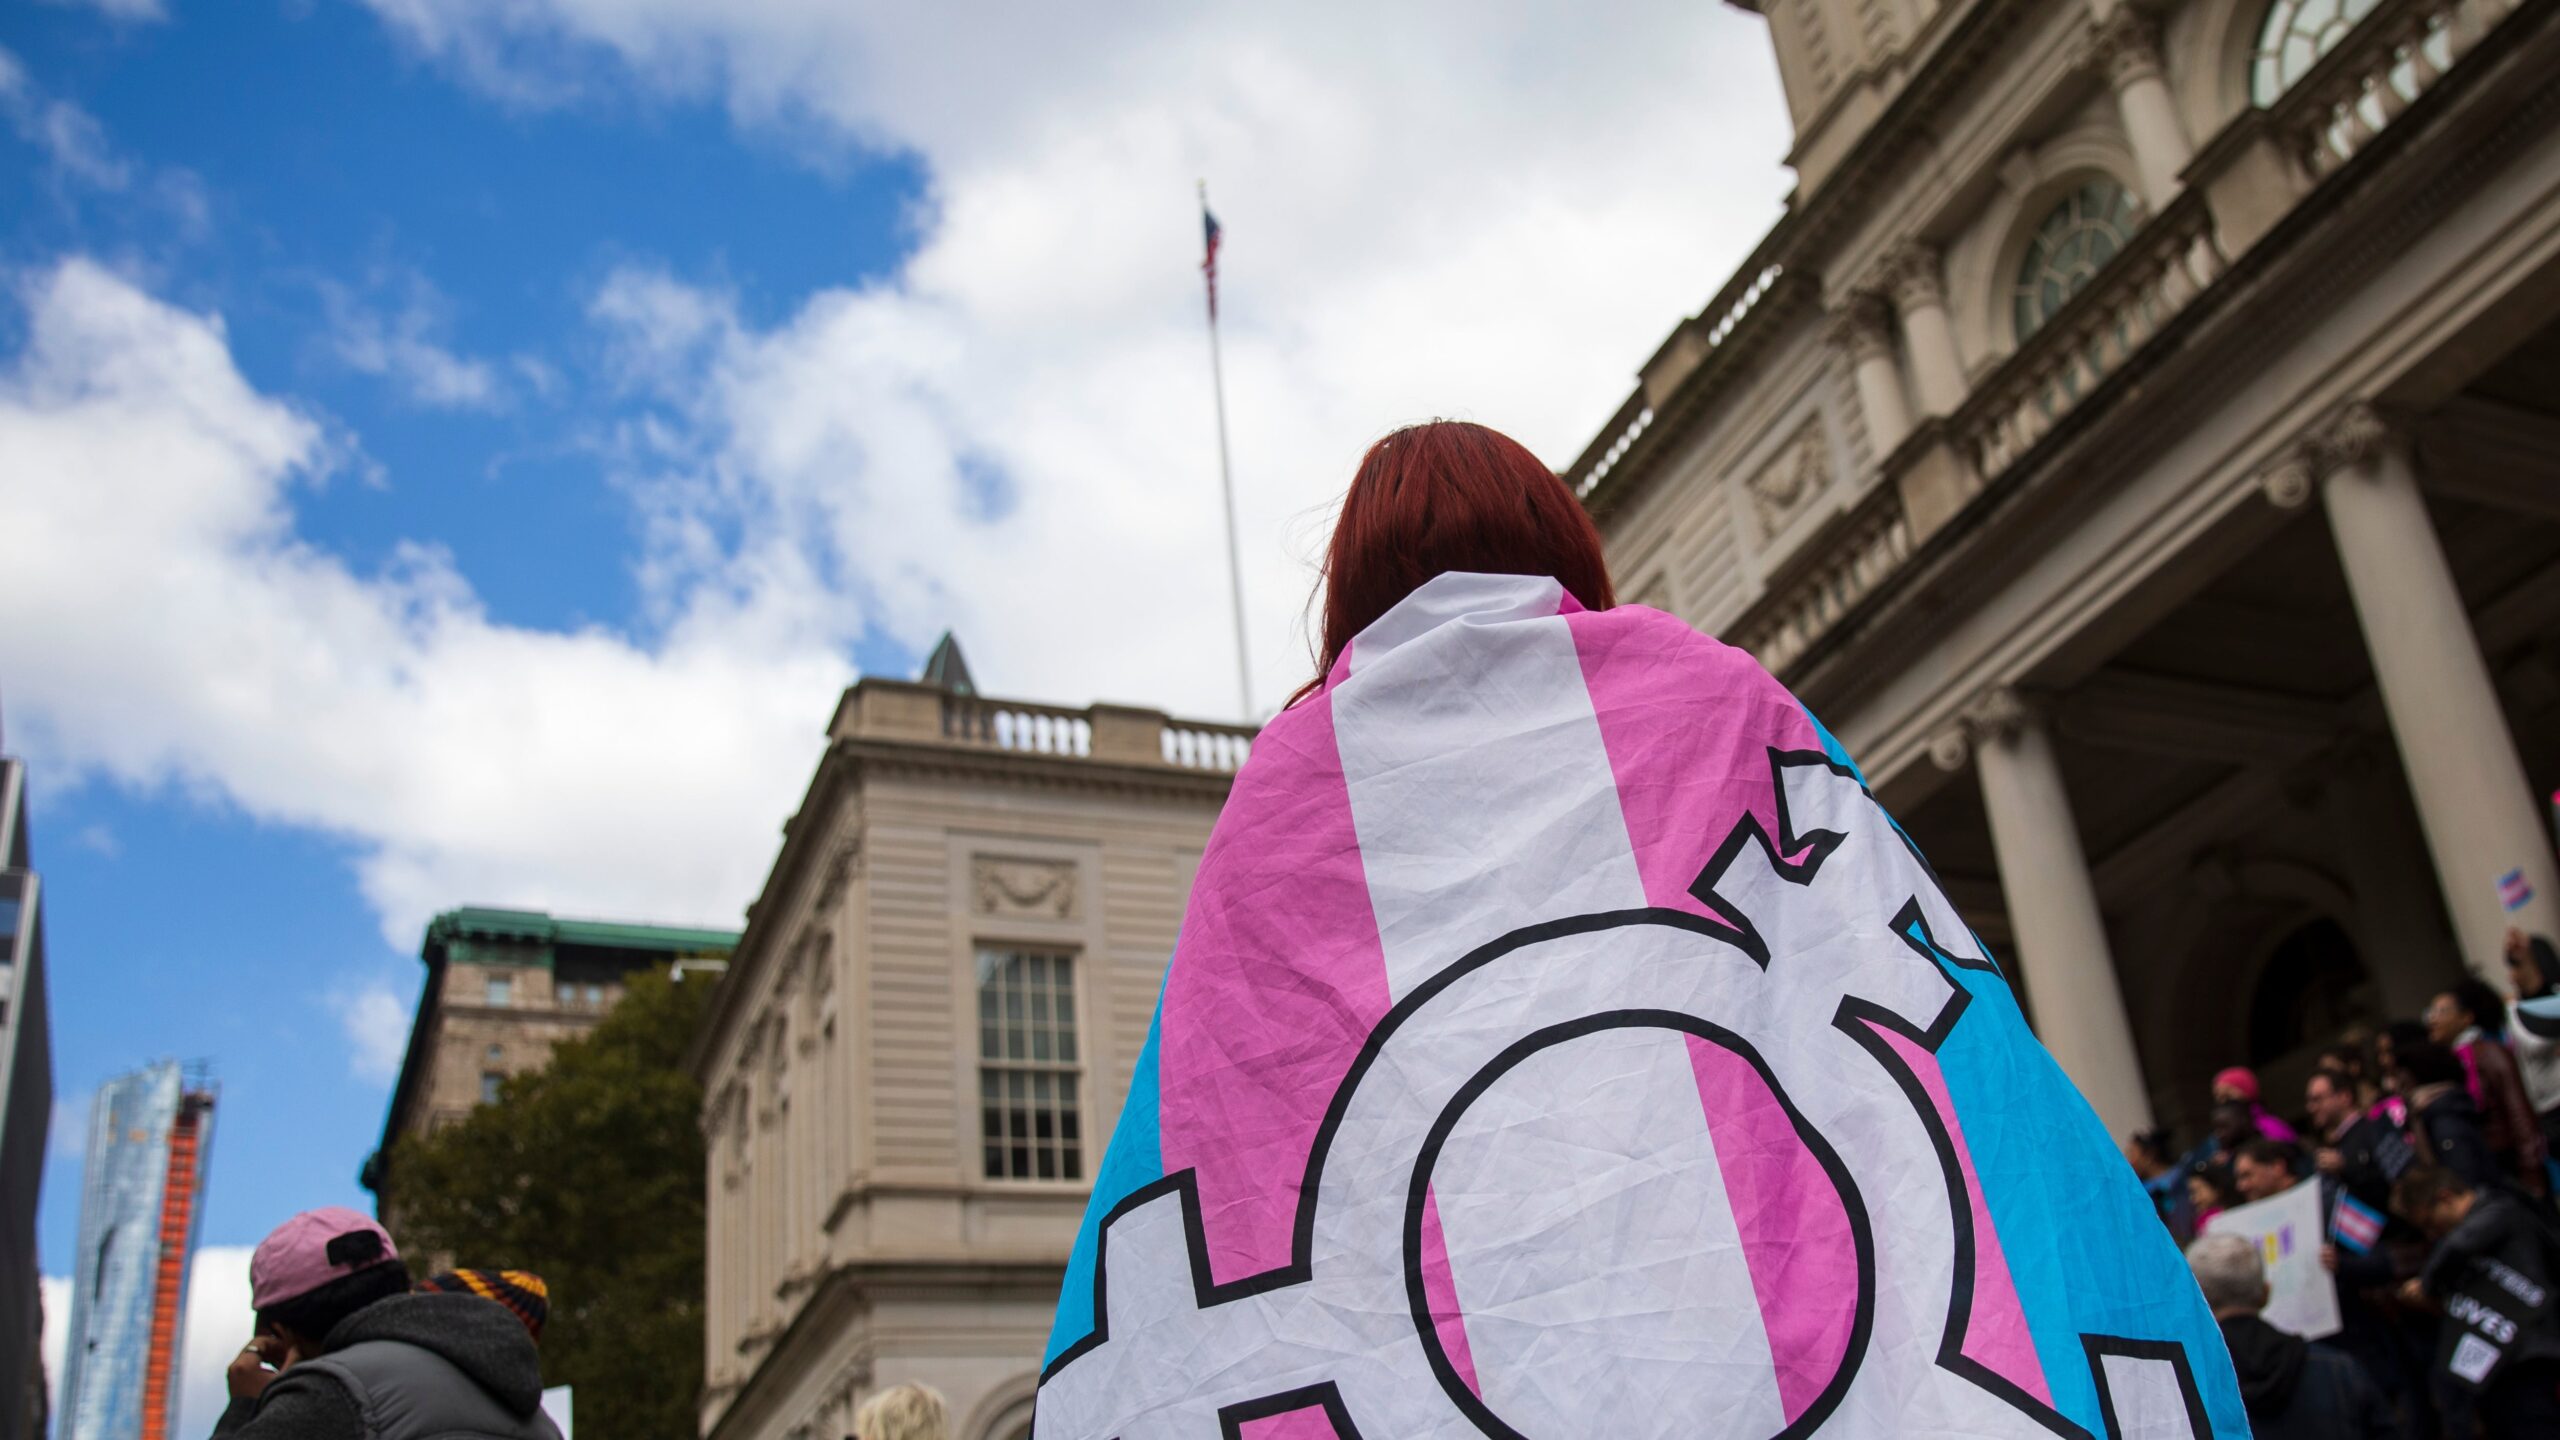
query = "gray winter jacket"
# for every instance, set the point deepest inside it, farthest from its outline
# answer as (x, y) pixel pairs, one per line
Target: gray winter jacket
(408, 1368)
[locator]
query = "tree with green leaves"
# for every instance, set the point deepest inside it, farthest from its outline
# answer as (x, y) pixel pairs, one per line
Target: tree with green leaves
(589, 1172)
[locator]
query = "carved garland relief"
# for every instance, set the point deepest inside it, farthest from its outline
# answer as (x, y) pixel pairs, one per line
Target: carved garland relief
(1787, 484)
(1045, 889)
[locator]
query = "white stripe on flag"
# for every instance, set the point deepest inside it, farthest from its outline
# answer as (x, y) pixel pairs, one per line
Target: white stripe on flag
(1480, 789)
(1483, 799)
(1620, 1303)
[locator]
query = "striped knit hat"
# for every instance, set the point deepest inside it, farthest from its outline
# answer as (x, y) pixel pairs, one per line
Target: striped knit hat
(521, 1291)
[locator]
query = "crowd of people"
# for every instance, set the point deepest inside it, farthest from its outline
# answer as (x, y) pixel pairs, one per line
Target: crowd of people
(348, 1347)
(2433, 1146)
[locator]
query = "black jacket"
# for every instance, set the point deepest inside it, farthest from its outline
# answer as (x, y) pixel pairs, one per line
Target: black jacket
(468, 1341)
(2502, 1228)
(2445, 1126)
(2295, 1390)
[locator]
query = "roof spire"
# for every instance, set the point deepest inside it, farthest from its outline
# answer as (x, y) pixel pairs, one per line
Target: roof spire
(945, 668)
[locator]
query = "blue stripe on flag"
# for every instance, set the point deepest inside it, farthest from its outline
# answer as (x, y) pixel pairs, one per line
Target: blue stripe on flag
(2085, 1246)
(1135, 1159)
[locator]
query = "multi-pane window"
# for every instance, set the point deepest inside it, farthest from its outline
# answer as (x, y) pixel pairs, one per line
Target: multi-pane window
(2068, 250)
(502, 990)
(489, 1082)
(1028, 1064)
(2293, 37)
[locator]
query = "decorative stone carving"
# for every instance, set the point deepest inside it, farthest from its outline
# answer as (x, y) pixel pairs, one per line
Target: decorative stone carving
(2127, 45)
(1045, 889)
(2288, 483)
(2352, 436)
(1995, 714)
(1861, 327)
(1787, 484)
(841, 864)
(1909, 273)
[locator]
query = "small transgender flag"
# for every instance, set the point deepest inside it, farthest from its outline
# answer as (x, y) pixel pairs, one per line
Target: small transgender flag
(2356, 1225)
(2514, 891)
(1209, 265)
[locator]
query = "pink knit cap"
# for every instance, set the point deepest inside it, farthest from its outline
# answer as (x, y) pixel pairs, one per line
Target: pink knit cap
(2236, 1078)
(312, 1249)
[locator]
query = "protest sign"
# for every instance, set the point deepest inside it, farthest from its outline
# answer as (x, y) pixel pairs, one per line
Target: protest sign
(2302, 1297)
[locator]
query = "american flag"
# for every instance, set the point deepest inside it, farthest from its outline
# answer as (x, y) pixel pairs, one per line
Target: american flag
(1209, 265)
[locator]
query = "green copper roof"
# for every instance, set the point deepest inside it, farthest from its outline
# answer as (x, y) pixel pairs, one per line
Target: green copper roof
(475, 922)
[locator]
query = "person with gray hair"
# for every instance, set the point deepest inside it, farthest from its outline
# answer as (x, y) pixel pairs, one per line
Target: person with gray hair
(903, 1412)
(2294, 1389)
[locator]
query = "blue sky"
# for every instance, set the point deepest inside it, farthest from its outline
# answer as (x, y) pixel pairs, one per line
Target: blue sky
(181, 925)
(455, 452)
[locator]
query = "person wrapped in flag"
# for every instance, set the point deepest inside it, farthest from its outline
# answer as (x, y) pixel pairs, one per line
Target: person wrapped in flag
(1562, 1041)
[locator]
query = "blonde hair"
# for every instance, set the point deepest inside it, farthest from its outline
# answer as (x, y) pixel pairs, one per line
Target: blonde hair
(904, 1412)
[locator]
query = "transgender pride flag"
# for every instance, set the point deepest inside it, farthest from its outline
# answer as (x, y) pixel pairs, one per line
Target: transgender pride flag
(1561, 1042)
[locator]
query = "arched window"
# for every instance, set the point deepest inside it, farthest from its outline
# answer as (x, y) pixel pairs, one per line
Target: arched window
(2295, 34)
(2074, 243)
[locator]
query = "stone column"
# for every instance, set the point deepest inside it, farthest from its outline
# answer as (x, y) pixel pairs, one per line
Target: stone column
(1862, 328)
(2053, 904)
(1910, 274)
(2399, 924)
(2125, 44)
(2474, 803)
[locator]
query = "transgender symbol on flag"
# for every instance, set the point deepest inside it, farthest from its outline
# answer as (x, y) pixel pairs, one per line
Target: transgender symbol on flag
(1822, 1018)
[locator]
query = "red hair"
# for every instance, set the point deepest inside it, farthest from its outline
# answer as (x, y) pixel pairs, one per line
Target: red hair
(1447, 496)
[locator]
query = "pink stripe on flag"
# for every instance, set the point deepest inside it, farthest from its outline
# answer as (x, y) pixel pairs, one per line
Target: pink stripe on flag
(1276, 983)
(1307, 1424)
(1794, 1226)
(1686, 771)
(1440, 1287)
(1996, 1335)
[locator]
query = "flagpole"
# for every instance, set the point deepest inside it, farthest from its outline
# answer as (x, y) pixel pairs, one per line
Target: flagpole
(1227, 486)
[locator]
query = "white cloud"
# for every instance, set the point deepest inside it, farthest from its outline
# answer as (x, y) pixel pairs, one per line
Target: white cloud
(400, 345)
(1443, 208)
(96, 838)
(55, 1292)
(119, 9)
(192, 637)
(219, 1321)
(1492, 212)
(377, 1026)
(70, 136)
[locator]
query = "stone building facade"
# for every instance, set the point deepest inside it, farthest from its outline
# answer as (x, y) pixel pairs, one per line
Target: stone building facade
(2140, 441)
(504, 987)
(922, 1046)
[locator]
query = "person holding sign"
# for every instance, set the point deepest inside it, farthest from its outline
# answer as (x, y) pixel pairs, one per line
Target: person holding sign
(2492, 1271)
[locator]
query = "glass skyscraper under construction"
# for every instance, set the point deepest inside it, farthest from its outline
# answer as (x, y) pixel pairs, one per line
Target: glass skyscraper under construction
(150, 1134)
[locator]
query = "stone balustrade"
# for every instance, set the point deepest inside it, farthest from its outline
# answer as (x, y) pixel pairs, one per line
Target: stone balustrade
(1016, 725)
(914, 713)
(2396, 54)
(1869, 545)
(2169, 262)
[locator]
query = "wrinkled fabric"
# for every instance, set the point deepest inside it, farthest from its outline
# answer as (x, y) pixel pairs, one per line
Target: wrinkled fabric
(1562, 1040)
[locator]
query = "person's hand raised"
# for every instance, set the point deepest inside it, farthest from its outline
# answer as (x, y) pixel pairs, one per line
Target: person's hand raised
(256, 1366)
